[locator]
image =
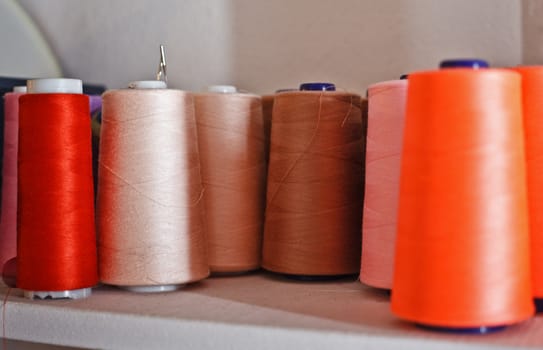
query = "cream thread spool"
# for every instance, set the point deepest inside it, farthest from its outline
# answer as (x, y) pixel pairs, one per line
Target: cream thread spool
(178, 237)
(234, 177)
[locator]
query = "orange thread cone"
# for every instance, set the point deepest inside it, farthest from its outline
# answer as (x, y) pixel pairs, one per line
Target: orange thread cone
(462, 249)
(532, 100)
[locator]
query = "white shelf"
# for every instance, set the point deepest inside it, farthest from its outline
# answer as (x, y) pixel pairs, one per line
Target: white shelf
(258, 311)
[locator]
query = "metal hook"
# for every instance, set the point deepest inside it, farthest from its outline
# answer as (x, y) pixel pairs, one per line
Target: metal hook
(161, 74)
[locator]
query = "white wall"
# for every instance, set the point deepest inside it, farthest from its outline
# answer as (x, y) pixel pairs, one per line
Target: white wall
(262, 45)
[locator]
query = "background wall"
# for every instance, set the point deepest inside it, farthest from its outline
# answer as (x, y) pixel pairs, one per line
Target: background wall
(262, 45)
(532, 31)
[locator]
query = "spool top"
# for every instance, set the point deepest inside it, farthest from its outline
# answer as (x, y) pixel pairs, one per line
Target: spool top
(278, 91)
(147, 84)
(21, 89)
(54, 85)
(317, 87)
(464, 63)
(222, 89)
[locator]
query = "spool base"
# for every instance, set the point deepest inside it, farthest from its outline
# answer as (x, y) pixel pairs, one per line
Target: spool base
(153, 289)
(317, 278)
(462, 330)
(385, 291)
(538, 305)
(65, 294)
(9, 273)
(232, 273)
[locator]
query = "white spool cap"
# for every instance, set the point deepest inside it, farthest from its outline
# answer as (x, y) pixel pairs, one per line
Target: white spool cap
(21, 89)
(222, 89)
(153, 289)
(54, 85)
(148, 84)
(65, 294)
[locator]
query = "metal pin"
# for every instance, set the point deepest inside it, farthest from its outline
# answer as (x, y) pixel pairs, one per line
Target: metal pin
(161, 74)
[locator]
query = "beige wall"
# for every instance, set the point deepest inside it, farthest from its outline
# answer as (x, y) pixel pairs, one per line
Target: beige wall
(261, 45)
(532, 31)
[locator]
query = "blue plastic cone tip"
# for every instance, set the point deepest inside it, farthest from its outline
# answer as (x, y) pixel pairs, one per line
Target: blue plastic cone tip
(317, 87)
(464, 63)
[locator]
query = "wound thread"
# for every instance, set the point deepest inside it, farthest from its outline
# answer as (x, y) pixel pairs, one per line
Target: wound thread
(532, 103)
(315, 177)
(462, 249)
(56, 233)
(382, 182)
(150, 208)
(8, 214)
(232, 143)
